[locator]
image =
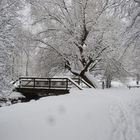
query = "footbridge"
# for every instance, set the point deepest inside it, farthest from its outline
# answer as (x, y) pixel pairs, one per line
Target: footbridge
(34, 87)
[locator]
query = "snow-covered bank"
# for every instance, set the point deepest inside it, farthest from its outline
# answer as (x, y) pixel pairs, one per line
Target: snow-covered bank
(10, 98)
(110, 114)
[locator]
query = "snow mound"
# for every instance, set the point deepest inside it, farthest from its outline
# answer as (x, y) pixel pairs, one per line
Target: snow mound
(16, 95)
(89, 114)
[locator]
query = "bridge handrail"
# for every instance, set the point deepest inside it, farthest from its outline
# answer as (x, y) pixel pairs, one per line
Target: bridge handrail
(49, 84)
(52, 82)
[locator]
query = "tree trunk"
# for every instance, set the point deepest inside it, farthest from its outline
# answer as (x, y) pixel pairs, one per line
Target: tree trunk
(86, 78)
(27, 65)
(108, 81)
(137, 79)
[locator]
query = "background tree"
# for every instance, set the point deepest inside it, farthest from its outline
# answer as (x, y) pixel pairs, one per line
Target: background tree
(8, 28)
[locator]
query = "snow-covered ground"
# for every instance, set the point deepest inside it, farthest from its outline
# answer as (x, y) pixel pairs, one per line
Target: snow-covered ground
(110, 114)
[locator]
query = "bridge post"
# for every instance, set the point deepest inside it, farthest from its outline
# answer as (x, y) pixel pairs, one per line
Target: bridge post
(34, 82)
(79, 80)
(49, 83)
(19, 82)
(67, 83)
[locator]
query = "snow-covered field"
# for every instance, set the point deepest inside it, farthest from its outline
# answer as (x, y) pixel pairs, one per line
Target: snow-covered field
(110, 114)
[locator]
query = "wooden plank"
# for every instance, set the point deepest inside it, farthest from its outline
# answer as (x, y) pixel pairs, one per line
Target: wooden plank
(39, 78)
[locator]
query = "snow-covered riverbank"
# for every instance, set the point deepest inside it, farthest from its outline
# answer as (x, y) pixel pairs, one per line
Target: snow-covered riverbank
(110, 114)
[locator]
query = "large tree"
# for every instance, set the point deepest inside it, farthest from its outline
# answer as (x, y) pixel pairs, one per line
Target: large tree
(71, 30)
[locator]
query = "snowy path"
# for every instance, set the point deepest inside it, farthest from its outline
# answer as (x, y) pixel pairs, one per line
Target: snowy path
(82, 115)
(125, 117)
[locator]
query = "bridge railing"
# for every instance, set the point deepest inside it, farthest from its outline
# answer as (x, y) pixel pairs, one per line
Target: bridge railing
(52, 83)
(49, 83)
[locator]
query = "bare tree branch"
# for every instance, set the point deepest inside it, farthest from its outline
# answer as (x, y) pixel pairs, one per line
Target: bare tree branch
(58, 52)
